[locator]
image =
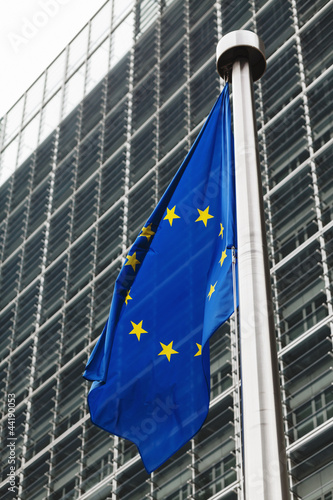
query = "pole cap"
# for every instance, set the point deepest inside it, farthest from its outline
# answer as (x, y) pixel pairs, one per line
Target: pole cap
(240, 44)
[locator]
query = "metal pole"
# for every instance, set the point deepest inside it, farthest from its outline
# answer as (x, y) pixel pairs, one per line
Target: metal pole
(240, 59)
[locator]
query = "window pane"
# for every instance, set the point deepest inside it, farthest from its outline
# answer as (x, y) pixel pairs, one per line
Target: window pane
(173, 73)
(74, 91)
(145, 55)
(144, 101)
(280, 83)
(29, 139)
(173, 27)
(147, 12)
(100, 25)
(97, 65)
(55, 74)
(21, 186)
(122, 40)
(234, 19)
(34, 98)
(8, 160)
(316, 39)
(50, 116)
(293, 214)
(120, 7)
(286, 143)
(172, 123)
(68, 135)
(308, 8)
(321, 112)
(13, 120)
(203, 40)
(275, 25)
(77, 50)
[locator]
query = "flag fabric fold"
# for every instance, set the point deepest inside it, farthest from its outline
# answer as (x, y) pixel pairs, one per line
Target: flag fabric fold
(150, 367)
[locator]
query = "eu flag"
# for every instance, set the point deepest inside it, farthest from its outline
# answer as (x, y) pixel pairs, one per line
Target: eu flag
(150, 366)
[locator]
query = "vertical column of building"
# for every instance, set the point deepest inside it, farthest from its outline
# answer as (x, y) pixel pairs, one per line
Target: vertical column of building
(6, 366)
(2, 252)
(318, 207)
(2, 246)
(309, 137)
(54, 410)
(128, 152)
(117, 441)
(2, 135)
(235, 367)
(35, 335)
(157, 95)
(80, 474)
(219, 27)
(84, 451)
(271, 252)
(27, 214)
(150, 481)
(30, 378)
(58, 389)
(8, 204)
(187, 70)
(53, 433)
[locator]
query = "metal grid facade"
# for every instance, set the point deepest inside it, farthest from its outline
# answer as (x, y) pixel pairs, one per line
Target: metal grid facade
(91, 147)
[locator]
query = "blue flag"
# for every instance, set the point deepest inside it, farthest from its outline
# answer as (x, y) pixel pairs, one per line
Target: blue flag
(150, 366)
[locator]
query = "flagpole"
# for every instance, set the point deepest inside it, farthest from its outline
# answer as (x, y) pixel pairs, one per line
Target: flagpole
(240, 60)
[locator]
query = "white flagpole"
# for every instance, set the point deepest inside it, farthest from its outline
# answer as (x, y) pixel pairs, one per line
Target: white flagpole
(240, 60)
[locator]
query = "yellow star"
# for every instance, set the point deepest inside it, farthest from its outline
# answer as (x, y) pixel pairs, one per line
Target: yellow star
(171, 215)
(137, 329)
(212, 290)
(167, 350)
(221, 232)
(128, 297)
(223, 256)
(147, 232)
(132, 261)
(199, 350)
(204, 216)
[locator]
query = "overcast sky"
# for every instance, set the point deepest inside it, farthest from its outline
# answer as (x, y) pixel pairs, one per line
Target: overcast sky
(32, 33)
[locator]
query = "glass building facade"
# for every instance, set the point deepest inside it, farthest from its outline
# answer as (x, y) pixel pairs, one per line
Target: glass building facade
(85, 155)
